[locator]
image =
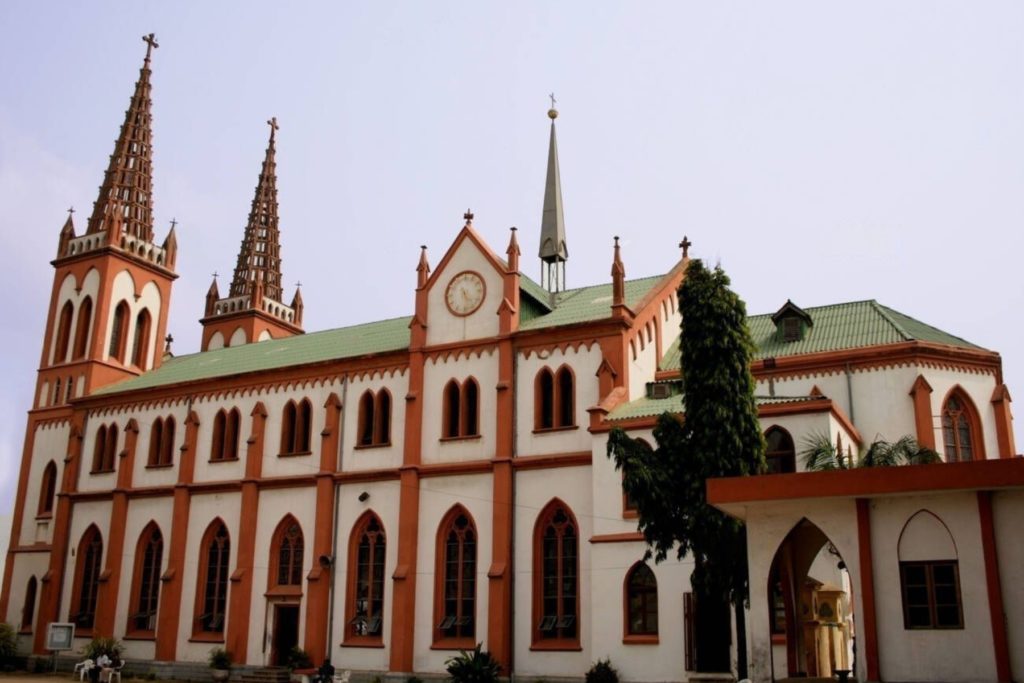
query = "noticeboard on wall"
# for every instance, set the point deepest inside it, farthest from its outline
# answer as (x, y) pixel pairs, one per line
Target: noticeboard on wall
(60, 636)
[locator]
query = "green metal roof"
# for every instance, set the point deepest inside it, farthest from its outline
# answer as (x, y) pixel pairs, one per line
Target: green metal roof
(344, 342)
(570, 306)
(650, 407)
(836, 327)
(589, 303)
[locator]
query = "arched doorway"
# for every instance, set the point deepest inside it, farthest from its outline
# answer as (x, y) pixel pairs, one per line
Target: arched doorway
(810, 607)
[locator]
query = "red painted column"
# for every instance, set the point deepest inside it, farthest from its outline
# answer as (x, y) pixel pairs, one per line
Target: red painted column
(110, 579)
(240, 593)
(499, 575)
(169, 615)
(53, 580)
(19, 511)
(1000, 643)
(867, 588)
(319, 579)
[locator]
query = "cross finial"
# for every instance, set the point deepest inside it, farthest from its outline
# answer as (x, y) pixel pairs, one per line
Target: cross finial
(150, 41)
(552, 113)
(685, 246)
(299, 283)
(71, 211)
(174, 223)
(273, 127)
(215, 273)
(168, 341)
(553, 100)
(468, 216)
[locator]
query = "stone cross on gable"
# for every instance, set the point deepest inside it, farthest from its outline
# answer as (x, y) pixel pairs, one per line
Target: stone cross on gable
(685, 246)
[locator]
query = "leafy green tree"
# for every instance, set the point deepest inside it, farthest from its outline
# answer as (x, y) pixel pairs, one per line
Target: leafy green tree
(720, 436)
(820, 454)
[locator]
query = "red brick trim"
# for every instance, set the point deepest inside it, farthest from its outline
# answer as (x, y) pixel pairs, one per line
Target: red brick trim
(997, 615)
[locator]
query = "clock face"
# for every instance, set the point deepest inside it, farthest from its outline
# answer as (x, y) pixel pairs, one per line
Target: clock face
(465, 293)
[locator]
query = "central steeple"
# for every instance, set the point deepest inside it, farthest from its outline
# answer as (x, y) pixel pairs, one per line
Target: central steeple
(254, 309)
(553, 250)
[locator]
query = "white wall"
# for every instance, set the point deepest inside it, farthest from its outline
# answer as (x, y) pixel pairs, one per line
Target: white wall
(374, 457)
(445, 327)
(436, 373)
(50, 444)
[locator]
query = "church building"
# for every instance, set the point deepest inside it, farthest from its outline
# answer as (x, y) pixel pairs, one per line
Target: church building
(388, 493)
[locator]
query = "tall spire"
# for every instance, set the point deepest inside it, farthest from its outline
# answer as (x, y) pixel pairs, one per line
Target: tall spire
(259, 259)
(553, 250)
(125, 202)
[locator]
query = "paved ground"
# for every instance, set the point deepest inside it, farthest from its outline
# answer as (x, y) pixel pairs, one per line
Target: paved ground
(21, 677)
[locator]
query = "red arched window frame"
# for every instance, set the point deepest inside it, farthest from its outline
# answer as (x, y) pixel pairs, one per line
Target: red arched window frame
(212, 583)
(470, 408)
(224, 444)
(286, 554)
(556, 579)
(296, 422)
(544, 400)
(86, 585)
(119, 332)
(962, 438)
(780, 452)
(47, 490)
(640, 605)
(364, 601)
(565, 398)
(455, 581)
(82, 328)
(145, 595)
(60, 354)
(366, 418)
(98, 447)
(382, 421)
(105, 449)
(140, 345)
(452, 411)
(28, 607)
(156, 436)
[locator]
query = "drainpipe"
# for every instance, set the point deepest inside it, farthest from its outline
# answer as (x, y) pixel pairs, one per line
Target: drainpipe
(849, 392)
(337, 506)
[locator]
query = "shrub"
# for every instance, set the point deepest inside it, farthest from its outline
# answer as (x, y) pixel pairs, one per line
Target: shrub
(111, 647)
(8, 643)
(602, 672)
(298, 659)
(219, 658)
(414, 679)
(475, 666)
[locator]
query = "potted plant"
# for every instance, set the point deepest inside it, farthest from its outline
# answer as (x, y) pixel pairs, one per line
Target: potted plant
(474, 666)
(220, 662)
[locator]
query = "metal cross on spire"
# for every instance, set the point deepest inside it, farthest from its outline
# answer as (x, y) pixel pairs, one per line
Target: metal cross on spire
(71, 211)
(273, 127)
(174, 223)
(150, 41)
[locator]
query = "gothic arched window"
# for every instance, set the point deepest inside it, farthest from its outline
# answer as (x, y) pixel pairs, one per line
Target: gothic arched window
(28, 608)
(286, 554)
(63, 333)
(455, 581)
(556, 571)
(961, 431)
(140, 345)
(82, 328)
(161, 443)
(224, 445)
(87, 580)
(365, 601)
(779, 452)
(641, 601)
(119, 332)
(47, 490)
(295, 425)
(145, 594)
(212, 587)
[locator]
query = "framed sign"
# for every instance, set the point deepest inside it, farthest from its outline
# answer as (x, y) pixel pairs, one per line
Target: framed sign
(60, 636)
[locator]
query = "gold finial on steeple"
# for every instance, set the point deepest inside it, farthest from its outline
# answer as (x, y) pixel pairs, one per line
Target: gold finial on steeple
(150, 41)
(552, 113)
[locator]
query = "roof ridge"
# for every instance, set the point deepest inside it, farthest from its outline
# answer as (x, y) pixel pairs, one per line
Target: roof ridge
(883, 311)
(808, 309)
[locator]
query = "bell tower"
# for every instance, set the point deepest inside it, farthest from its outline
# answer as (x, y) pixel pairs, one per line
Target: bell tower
(112, 284)
(254, 309)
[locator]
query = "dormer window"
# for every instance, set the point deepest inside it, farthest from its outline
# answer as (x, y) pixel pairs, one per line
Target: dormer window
(791, 323)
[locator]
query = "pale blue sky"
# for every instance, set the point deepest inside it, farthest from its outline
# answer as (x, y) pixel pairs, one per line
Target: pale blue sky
(822, 152)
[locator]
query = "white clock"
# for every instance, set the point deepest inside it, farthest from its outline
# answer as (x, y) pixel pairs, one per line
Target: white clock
(465, 293)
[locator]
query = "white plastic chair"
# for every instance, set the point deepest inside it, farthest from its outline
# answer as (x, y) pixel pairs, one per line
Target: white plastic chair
(83, 668)
(115, 672)
(342, 677)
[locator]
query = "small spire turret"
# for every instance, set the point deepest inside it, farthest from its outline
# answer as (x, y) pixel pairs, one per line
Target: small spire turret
(513, 251)
(422, 268)
(553, 250)
(618, 277)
